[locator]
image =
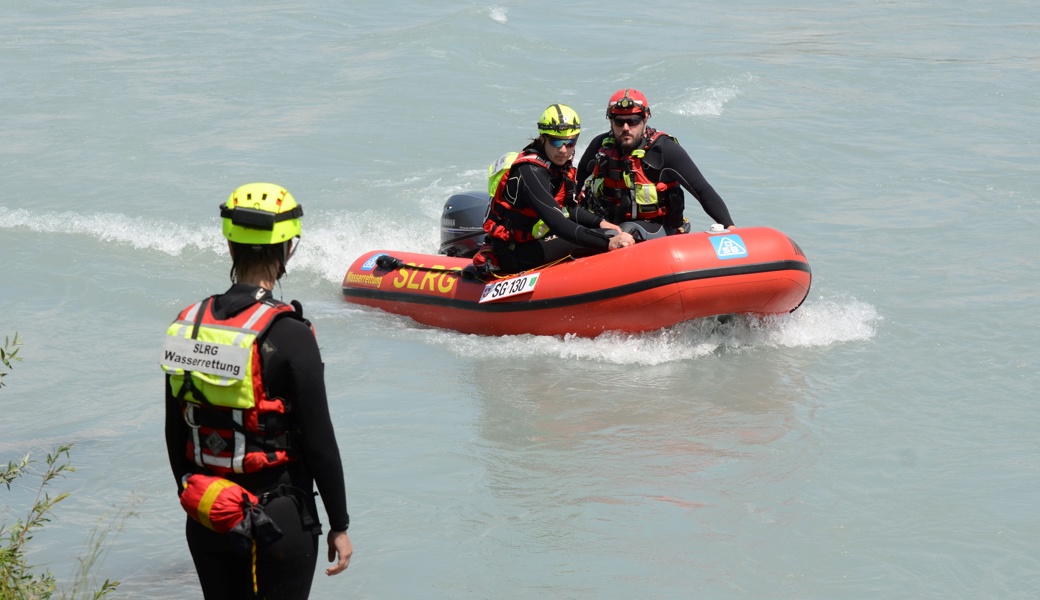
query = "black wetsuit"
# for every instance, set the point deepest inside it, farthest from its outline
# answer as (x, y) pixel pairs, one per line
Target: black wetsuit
(534, 186)
(293, 370)
(666, 162)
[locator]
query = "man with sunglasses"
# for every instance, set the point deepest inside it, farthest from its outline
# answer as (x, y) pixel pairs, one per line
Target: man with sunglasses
(634, 172)
(533, 219)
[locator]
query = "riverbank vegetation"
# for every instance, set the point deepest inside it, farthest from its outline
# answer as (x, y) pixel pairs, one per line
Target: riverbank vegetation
(19, 579)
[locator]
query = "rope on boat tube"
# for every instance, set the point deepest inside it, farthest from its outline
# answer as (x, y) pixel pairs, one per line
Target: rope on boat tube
(391, 263)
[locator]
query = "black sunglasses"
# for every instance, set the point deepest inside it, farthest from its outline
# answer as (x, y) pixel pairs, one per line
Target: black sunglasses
(630, 121)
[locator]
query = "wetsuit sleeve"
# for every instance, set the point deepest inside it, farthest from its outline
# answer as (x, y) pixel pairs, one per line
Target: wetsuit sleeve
(585, 218)
(536, 190)
(678, 166)
(296, 349)
(176, 437)
(588, 160)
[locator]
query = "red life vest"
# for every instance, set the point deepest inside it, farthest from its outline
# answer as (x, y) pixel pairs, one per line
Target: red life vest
(618, 188)
(235, 426)
(507, 222)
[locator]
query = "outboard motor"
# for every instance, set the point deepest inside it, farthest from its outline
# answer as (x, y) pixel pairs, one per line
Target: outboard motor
(462, 223)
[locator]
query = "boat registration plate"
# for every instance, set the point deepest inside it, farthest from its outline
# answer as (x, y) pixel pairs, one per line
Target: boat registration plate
(505, 288)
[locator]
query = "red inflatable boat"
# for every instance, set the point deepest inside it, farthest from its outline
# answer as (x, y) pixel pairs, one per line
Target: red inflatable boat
(654, 284)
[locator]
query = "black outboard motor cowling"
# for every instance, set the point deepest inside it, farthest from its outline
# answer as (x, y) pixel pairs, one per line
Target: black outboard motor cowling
(462, 223)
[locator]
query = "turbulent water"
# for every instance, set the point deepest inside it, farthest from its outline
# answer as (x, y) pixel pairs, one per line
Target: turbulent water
(880, 442)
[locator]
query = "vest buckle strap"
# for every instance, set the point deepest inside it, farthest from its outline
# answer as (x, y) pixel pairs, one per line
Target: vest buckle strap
(189, 415)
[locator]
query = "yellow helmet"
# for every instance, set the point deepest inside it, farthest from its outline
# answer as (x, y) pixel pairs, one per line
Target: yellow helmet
(261, 213)
(559, 120)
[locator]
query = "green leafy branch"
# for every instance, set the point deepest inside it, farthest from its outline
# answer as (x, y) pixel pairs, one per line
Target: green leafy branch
(20, 580)
(9, 353)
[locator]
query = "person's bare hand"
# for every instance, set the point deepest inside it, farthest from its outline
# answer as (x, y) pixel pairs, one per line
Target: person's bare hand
(339, 546)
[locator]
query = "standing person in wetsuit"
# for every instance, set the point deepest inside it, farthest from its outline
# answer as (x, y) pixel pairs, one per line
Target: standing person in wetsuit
(246, 402)
(634, 172)
(533, 219)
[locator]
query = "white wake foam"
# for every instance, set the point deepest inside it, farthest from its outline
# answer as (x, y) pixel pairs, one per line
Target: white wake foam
(822, 322)
(710, 100)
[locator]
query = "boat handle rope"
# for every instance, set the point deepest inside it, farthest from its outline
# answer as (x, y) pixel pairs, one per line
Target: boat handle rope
(391, 263)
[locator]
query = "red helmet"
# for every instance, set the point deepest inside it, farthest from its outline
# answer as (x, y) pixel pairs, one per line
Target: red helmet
(628, 102)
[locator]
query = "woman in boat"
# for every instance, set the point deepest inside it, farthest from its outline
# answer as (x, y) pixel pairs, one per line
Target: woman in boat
(533, 219)
(246, 409)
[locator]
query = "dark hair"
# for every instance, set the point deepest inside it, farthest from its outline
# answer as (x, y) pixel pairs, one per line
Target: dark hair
(246, 257)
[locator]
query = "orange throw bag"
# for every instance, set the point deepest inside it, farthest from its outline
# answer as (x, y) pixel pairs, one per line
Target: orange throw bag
(226, 507)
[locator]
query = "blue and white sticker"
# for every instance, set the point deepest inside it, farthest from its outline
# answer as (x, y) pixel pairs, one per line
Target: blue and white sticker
(728, 246)
(370, 263)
